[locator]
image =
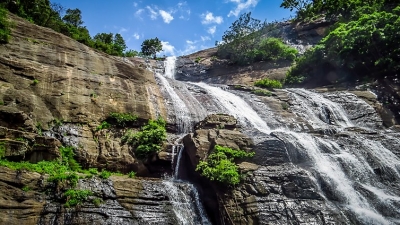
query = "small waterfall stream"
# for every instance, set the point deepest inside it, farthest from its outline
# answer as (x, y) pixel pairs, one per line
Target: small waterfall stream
(355, 173)
(183, 196)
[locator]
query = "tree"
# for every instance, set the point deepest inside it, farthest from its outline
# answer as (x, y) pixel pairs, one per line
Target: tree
(150, 47)
(240, 39)
(73, 17)
(119, 45)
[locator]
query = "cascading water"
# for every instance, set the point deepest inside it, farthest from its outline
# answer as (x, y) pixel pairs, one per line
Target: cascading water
(345, 172)
(181, 112)
(353, 172)
(183, 196)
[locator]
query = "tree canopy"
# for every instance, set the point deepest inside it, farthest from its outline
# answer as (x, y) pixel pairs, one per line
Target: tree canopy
(44, 13)
(150, 47)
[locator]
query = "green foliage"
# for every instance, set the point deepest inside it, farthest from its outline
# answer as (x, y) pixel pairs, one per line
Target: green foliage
(197, 60)
(150, 47)
(1, 103)
(243, 43)
(268, 83)
(44, 13)
(26, 188)
(76, 197)
(97, 201)
(131, 174)
(73, 17)
(149, 139)
(285, 106)
(123, 118)
(240, 39)
(261, 92)
(354, 50)
(274, 49)
(68, 177)
(39, 128)
(131, 53)
(68, 160)
(35, 81)
(5, 30)
(2, 149)
(220, 165)
(307, 9)
(103, 125)
(105, 174)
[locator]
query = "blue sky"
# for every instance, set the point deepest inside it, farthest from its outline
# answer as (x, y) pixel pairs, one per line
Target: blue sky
(183, 26)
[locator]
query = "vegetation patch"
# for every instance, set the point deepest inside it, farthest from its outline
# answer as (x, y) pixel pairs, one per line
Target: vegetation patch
(103, 125)
(5, 25)
(261, 92)
(149, 139)
(244, 43)
(123, 119)
(220, 165)
(268, 83)
(76, 197)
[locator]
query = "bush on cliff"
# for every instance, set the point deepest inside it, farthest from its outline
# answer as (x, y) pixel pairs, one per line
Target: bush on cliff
(220, 166)
(149, 139)
(364, 47)
(4, 26)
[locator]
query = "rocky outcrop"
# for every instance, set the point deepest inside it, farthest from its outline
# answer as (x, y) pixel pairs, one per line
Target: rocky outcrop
(120, 200)
(214, 130)
(19, 145)
(52, 84)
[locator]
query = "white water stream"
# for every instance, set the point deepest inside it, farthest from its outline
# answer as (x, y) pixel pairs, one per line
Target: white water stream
(346, 169)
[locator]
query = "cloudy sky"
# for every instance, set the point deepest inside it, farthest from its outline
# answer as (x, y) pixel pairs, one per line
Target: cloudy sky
(183, 26)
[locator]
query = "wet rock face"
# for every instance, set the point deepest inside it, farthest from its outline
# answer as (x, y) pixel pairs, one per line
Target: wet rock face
(122, 201)
(214, 130)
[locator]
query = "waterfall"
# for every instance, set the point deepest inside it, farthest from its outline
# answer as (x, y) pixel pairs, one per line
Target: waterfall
(169, 67)
(346, 171)
(183, 119)
(316, 109)
(183, 196)
(236, 107)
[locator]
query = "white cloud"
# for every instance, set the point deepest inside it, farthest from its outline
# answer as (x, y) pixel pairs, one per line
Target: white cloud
(135, 4)
(205, 38)
(168, 49)
(167, 17)
(211, 30)
(241, 6)
(153, 13)
(208, 18)
(122, 30)
(139, 12)
(136, 36)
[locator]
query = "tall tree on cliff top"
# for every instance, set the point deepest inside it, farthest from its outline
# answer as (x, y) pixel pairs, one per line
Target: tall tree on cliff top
(241, 37)
(150, 47)
(73, 17)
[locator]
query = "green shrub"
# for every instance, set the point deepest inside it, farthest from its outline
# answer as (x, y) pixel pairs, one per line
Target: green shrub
(262, 92)
(268, 83)
(131, 174)
(26, 188)
(274, 49)
(105, 174)
(220, 165)
(68, 178)
(103, 125)
(1, 103)
(76, 197)
(149, 139)
(2, 150)
(34, 82)
(5, 30)
(67, 156)
(123, 118)
(354, 50)
(97, 201)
